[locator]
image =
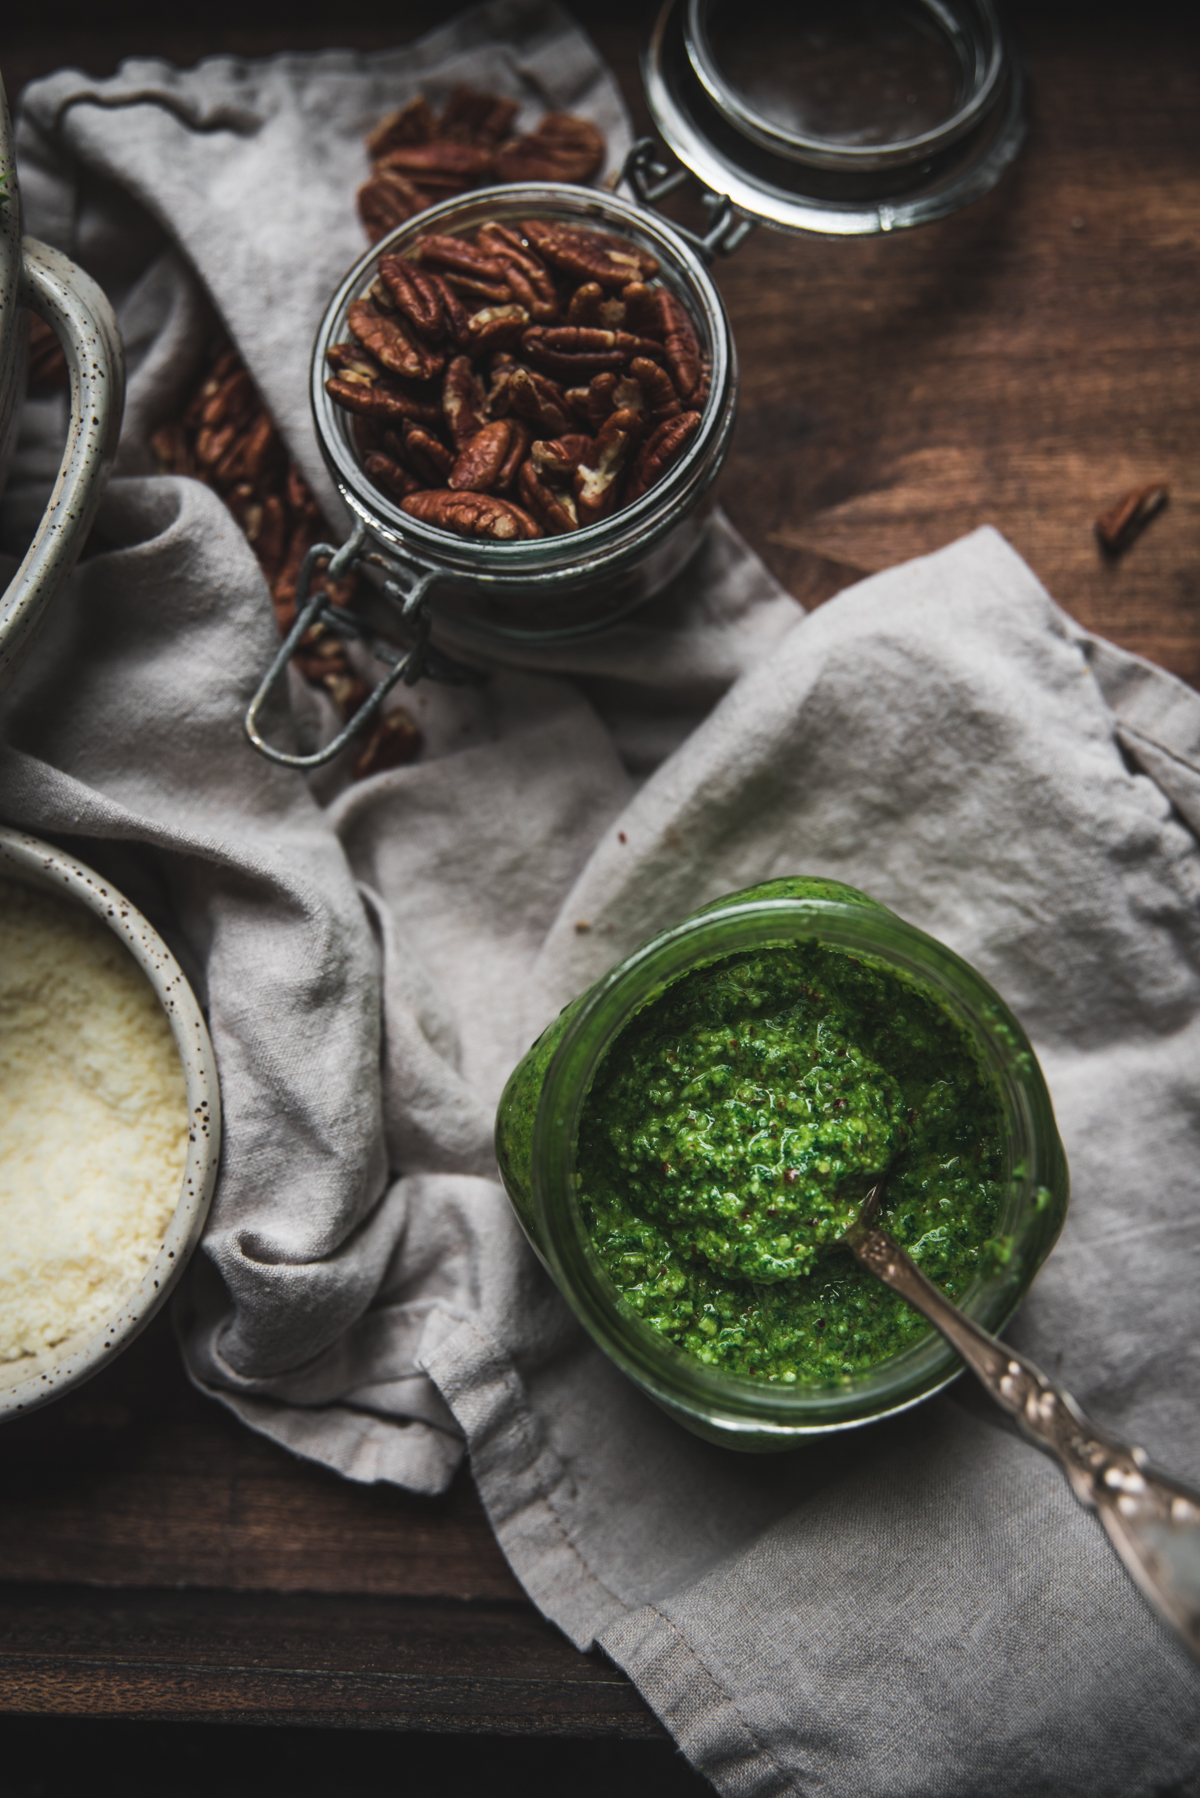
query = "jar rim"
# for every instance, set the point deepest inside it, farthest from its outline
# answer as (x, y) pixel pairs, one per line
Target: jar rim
(1037, 1165)
(954, 19)
(626, 531)
(814, 188)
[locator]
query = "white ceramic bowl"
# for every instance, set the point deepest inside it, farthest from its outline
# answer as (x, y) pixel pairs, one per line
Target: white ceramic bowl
(35, 1380)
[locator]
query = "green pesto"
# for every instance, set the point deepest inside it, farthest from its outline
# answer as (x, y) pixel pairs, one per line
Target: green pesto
(732, 1132)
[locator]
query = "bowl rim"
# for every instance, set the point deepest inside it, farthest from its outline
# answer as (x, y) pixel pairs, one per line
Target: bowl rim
(41, 1378)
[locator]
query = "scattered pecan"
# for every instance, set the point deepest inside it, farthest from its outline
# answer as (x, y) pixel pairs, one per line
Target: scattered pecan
(562, 148)
(471, 117)
(439, 158)
(246, 463)
(394, 740)
(473, 515)
(1121, 524)
(412, 124)
(418, 158)
(387, 200)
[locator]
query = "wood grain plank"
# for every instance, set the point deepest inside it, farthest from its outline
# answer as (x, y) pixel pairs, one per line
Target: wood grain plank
(350, 1661)
(137, 1479)
(1022, 364)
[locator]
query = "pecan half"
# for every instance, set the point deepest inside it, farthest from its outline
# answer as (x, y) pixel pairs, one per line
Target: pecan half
(457, 255)
(557, 459)
(388, 474)
(641, 309)
(597, 476)
(383, 400)
(682, 344)
(562, 148)
(388, 338)
(537, 400)
(589, 255)
(473, 515)
(658, 389)
(352, 360)
(462, 400)
(472, 117)
(577, 364)
(585, 305)
(600, 398)
(420, 162)
(519, 440)
(386, 200)
(530, 280)
(416, 295)
(1121, 524)
(426, 455)
(479, 461)
(556, 511)
(496, 327)
(454, 312)
(411, 124)
(663, 447)
(394, 741)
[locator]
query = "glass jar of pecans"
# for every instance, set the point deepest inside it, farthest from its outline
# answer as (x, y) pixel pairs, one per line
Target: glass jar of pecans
(578, 543)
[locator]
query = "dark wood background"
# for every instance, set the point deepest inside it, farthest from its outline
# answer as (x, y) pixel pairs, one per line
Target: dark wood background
(1023, 364)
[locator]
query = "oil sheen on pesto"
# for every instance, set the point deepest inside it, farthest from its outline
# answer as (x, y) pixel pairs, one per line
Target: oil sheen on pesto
(732, 1132)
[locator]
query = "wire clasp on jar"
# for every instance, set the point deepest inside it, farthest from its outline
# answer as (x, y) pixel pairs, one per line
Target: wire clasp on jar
(405, 586)
(650, 180)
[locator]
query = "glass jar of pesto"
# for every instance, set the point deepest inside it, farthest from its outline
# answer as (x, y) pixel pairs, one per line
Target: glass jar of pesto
(684, 1143)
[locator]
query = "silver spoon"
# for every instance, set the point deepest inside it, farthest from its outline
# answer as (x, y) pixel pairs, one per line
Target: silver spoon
(1153, 1521)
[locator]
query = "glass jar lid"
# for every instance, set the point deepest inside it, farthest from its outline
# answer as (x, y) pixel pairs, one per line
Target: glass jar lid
(846, 117)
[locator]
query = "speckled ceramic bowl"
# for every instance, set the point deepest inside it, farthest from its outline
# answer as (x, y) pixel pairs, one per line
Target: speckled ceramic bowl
(36, 1379)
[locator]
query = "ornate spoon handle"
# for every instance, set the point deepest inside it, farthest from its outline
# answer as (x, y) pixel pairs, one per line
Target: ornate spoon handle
(1152, 1520)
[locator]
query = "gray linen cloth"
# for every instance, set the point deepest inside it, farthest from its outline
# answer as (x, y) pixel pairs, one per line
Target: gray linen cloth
(918, 1608)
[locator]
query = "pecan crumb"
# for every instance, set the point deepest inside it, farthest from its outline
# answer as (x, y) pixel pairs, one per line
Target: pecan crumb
(1117, 528)
(394, 740)
(582, 927)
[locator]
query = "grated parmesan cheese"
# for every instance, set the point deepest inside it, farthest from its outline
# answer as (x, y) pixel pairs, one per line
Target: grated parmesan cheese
(93, 1121)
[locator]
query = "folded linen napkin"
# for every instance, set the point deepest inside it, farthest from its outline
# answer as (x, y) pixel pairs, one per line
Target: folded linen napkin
(916, 1608)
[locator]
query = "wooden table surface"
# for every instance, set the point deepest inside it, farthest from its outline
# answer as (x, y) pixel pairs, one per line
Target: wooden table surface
(1023, 364)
